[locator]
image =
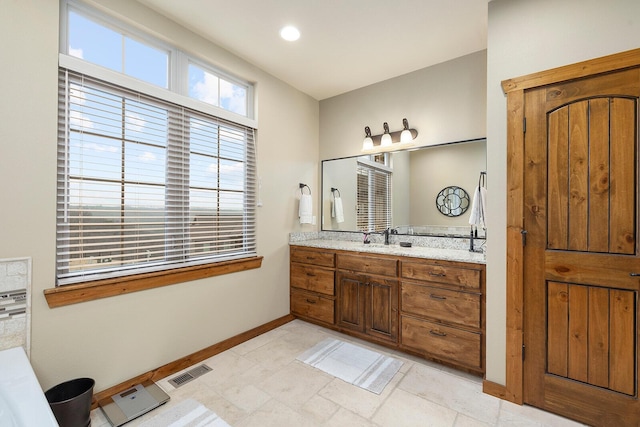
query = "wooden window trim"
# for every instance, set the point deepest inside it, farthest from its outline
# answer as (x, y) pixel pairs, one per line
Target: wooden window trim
(514, 89)
(89, 291)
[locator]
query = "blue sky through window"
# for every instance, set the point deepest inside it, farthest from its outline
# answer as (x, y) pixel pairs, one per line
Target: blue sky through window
(103, 46)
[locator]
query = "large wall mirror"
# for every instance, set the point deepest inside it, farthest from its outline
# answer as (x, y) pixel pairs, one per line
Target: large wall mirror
(400, 189)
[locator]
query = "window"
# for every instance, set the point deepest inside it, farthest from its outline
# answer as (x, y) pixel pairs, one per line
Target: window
(208, 87)
(148, 179)
(373, 196)
(101, 40)
(144, 184)
(103, 46)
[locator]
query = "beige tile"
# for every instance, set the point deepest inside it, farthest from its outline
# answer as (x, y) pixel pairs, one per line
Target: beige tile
(277, 354)
(452, 391)
(226, 410)
(253, 375)
(355, 399)
(524, 415)
(224, 367)
(259, 341)
(275, 414)
(319, 409)
(260, 383)
(295, 384)
(466, 421)
(248, 398)
(404, 409)
(344, 418)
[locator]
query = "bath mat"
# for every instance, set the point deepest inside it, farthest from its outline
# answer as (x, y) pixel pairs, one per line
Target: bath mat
(356, 365)
(188, 413)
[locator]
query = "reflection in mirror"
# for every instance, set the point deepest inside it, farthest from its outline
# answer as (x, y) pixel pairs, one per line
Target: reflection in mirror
(400, 189)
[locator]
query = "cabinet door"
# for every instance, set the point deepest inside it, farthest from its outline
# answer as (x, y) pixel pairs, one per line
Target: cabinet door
(351, 301)
(382, 308)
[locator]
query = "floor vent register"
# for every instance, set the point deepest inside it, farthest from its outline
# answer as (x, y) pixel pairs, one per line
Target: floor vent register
(190, 375)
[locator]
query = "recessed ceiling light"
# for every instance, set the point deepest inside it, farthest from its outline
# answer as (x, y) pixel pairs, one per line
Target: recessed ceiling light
(290, 33)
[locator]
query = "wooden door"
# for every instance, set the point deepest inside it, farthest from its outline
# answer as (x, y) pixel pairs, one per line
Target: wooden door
(382, 308)
(351, 301)
(581, 254)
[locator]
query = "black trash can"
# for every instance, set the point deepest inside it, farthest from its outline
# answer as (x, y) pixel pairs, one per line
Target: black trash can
(71, 402)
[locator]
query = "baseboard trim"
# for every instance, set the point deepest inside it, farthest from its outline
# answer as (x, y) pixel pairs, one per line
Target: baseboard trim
(495, 389)
(192, 359)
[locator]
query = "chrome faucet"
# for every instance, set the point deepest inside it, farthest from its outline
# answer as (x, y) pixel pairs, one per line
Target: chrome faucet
(386, 236)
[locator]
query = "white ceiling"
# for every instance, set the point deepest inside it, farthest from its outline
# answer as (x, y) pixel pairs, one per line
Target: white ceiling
(345, 44)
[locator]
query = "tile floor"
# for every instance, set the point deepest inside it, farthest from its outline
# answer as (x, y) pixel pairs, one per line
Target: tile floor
(260, 383)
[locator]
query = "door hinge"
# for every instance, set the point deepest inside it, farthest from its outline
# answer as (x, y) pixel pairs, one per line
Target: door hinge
(524, 125)
(524, 237)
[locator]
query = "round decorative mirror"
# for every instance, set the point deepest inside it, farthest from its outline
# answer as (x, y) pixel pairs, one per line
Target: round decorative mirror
(452, 201)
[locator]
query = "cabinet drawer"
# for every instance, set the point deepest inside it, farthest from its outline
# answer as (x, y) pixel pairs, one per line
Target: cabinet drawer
(461, 308)
(312, 278)
(368, 264)
(312, 306)
(457, 276)
(452, 344)
(324, 259)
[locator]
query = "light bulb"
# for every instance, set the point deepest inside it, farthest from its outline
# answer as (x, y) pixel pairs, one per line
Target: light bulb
(367, 144)
(386, 137)
(405, 136)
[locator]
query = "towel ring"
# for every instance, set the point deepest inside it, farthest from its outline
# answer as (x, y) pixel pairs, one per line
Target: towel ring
(333, 190)
(302, 186)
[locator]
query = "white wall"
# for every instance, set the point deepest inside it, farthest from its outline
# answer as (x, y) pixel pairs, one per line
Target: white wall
(117, 338)
(526, 37)
(440, 167)
(445, 103)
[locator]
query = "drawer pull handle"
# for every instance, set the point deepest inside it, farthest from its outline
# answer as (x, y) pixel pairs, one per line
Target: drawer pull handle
(311, 275)
(437, 333)
(311, 301)
(438, 297)
(431, 273)
(634, 274)
(311, 258)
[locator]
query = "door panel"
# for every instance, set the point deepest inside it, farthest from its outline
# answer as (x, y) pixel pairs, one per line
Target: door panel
(382, 316)
(350, 302)
(580, 296)
(584, 334)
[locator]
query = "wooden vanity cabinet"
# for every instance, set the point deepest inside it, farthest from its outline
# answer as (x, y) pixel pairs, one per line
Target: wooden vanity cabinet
(368, 305)
(312, 285)
(441, 311)
(367, 295)
(426, 307)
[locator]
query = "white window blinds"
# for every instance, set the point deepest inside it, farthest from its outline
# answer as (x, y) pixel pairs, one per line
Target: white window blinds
(146, 185)
(373, 198)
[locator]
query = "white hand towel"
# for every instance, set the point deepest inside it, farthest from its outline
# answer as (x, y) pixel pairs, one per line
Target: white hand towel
(478, 207)
(305, 210)
(337, 207)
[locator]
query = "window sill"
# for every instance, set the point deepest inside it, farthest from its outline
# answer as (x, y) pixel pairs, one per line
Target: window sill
(89, 291)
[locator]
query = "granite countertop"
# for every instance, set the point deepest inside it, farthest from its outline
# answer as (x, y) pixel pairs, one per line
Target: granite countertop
(396, 249)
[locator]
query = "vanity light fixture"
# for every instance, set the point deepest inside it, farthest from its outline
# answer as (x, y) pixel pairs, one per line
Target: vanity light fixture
(388, 141)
